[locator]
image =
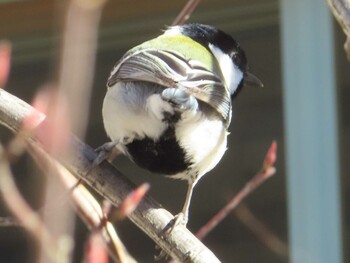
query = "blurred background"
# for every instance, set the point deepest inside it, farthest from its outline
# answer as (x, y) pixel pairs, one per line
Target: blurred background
(34, 28)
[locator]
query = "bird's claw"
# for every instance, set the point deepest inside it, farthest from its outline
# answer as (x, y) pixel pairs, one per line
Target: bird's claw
(180, 98)
(179, 220)
(162, 254)
(104, 152)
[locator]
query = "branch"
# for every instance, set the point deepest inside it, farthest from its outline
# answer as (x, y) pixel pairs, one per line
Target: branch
(261, 231)
(9, 221)
(186, 12)
(266, 172)
(149, 216)
(28, 218)
(341, 11)
(85, 205)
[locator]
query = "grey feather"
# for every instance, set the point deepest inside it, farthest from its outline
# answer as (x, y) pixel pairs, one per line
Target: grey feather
(171, 69)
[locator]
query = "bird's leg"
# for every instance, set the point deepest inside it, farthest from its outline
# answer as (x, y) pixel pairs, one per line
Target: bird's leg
(106, 151)
(182, 217)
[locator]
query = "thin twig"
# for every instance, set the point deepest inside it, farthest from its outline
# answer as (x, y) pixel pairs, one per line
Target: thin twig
(9, 221)
(96, 250)
(186, 12)
(85, 204)
(28, 218)
(69, 99)
(261, 231)
(78, 58)
(267, 171)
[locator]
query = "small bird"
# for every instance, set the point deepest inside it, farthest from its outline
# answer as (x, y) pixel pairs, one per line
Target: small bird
(168, 103)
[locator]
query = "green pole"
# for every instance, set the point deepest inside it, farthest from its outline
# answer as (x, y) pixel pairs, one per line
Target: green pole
(311, 134)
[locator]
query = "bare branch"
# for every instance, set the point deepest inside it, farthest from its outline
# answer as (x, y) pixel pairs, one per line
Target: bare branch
(266, 172)
(28, 218)
(78, 58)
(85, 204)
(96, 250)
(9, 221)
(262, 232)
(186, 12)
(113, 186)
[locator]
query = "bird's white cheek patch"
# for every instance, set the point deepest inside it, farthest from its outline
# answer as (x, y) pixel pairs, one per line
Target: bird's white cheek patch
(231, 73)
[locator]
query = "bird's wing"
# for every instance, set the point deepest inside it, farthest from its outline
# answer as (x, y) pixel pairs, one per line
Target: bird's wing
(171, 69)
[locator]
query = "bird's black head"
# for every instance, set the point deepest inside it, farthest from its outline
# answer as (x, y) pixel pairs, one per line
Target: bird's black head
(205, 35)
(208, 35)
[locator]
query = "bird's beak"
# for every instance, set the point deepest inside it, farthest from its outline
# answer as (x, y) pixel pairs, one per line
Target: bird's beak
(252, 81)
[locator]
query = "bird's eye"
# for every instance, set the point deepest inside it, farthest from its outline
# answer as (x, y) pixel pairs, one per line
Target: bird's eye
(236, 58)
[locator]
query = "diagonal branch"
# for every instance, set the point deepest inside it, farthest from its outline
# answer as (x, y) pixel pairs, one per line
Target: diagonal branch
(266, 172)
(28, 218)
(85, 205)
(113, 186)
(186, 12)
(261, 231)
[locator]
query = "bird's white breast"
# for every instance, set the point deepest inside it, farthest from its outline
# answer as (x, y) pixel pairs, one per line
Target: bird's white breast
(125, 113)
(204, 139)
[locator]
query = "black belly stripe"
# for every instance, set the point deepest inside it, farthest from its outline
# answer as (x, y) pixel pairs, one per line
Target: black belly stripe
(163, 156)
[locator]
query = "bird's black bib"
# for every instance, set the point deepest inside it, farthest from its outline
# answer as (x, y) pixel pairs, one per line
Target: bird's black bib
(163, 156)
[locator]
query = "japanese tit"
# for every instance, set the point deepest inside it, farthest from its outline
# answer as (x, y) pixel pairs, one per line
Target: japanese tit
(168, 104)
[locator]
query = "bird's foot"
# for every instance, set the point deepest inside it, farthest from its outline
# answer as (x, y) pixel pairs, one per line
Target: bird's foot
(180, 98)
(179, 220)
(162, 254)
(104, 152)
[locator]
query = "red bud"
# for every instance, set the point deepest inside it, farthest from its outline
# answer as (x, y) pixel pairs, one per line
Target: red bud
(5, 62)
(96, 251)
(54, 132)
(271, 155)
(132, 200)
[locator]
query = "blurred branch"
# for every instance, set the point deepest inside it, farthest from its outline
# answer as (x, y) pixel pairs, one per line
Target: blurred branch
(186, 12)
(78, 58)
(341, 11)
(113, 186)
(85, 204)
(9, 221)
(28, 218)
(261, 231)
(67, 101)
(96, 250)
(266, 172)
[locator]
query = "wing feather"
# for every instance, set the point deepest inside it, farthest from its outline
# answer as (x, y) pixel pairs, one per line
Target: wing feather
(171, 69)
